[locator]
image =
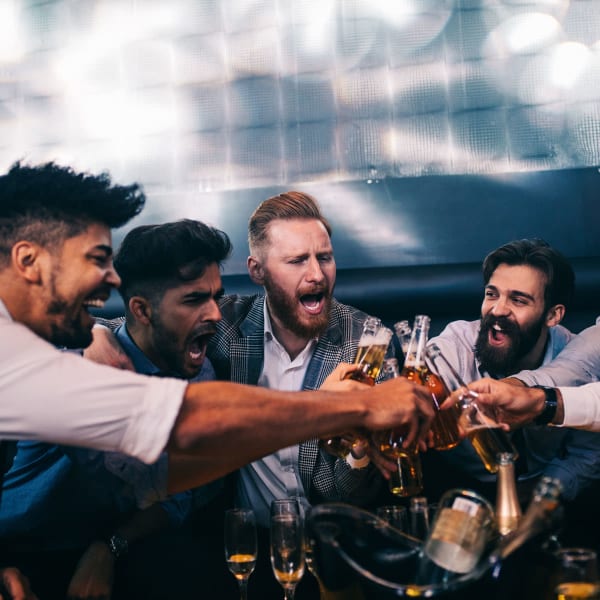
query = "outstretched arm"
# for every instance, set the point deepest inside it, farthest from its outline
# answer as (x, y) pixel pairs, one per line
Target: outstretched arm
(228, 425)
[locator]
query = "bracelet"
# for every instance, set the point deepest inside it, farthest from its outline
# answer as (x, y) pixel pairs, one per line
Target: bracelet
(550, 406)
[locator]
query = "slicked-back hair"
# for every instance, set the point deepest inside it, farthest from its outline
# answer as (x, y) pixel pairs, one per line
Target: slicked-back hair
(286, 206)
(153, 258)
(538, 254)
(48, 204)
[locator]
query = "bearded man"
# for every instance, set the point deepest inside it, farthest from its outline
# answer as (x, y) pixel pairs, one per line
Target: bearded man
(528, 286)
(290, 338)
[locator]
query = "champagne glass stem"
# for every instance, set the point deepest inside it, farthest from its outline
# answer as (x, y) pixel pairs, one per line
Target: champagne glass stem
(289, 593)
(243, 588)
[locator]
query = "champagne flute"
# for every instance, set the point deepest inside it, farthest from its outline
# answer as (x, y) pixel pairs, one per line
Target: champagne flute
(577, 574)
(240, 545)
(287, 545)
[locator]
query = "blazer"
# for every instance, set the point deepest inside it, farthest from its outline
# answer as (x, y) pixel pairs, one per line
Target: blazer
(237, 354)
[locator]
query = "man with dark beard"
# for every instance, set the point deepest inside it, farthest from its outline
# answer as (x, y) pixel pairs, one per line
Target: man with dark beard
(528, 285)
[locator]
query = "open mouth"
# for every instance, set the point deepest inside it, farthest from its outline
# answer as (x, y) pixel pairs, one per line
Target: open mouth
(196, 347)
(498, 336)
(313, 303)
(94, 303)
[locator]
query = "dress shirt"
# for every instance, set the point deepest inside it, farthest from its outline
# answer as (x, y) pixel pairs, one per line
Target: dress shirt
(62, 398)
(237, 353)
(577, 364)
(571, 456)
(582, 406)
(149, 482)
(275, 476)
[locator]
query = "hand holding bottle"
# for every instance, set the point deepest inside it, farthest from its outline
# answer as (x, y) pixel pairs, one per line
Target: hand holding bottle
(510, 405)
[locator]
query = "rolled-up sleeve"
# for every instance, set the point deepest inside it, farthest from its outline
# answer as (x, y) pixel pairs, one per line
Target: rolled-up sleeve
(61, 398)
(582, 406)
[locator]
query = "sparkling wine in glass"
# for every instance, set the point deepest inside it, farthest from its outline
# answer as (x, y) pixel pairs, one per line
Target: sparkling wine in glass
(287, 546)
(240, 546)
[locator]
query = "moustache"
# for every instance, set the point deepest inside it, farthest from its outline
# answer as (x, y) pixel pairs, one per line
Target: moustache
(205, 329)
(509, 327)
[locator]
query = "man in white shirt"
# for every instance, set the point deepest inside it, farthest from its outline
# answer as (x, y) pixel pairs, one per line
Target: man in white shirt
(56, 263)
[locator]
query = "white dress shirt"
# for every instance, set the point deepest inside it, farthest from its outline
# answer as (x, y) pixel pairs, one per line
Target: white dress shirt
(276, 475)
(62, 398)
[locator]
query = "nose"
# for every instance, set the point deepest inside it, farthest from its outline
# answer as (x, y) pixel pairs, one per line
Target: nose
(214, 313)
(500, 307)
(112, 277)
(314, 271)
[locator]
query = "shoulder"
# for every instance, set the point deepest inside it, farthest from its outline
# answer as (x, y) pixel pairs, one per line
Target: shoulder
(346, 320)
(460, 333)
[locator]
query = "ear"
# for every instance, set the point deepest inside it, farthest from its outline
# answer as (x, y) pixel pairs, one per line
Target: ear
(26, 259)
(141, 309)
(255, 270)
(555, 315)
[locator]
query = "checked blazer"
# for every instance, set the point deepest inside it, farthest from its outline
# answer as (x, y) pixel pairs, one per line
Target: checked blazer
(237, 354)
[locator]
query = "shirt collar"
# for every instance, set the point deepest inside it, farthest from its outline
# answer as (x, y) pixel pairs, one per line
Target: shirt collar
(141, 362)
(4, 311)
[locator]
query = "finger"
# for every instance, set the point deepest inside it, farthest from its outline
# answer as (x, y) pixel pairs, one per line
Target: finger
(413, 430)
(345, 369)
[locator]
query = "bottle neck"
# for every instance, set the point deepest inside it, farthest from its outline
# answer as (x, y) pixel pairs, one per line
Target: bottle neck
(415, 353)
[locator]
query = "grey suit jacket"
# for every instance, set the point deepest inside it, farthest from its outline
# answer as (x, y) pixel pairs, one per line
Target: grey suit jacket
(236, 352)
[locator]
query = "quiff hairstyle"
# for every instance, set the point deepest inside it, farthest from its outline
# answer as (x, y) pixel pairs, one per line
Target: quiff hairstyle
(286, 206)
(48, 204)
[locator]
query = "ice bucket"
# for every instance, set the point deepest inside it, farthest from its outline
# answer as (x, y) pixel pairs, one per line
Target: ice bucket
(358, 556)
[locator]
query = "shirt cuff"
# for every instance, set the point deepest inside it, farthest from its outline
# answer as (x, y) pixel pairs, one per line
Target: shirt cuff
(357, 463)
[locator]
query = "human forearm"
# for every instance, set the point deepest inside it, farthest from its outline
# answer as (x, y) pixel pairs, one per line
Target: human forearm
(228, 425)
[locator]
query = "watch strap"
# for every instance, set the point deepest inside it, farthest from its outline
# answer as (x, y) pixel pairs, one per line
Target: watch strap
(550, 405)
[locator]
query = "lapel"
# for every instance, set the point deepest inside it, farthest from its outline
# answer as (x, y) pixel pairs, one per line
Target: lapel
(327, 354)
(247, 351)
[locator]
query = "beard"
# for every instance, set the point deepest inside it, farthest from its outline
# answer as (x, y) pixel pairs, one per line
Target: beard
(503, 361)
(69, 332)
(165, 342)
(66, 328)
(284, 307)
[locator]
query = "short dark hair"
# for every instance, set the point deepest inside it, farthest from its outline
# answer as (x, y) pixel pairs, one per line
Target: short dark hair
(152, 257)
(48, 203)
(536, 253)
(289, 205)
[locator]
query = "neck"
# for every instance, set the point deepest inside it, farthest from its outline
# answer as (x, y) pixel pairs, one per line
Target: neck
(143, 340)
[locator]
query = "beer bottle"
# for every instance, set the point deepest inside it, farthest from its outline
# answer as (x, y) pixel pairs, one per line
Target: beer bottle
(403, 331)
(508, 509)
(370, 353)
(419, 517)
(407, 479)
(485, 434)
(444, 426)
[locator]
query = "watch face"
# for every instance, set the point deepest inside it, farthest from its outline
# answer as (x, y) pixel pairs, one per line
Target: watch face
(118, 545)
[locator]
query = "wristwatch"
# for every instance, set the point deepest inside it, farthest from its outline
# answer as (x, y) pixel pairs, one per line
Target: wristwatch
(550, 406)
(118, 545)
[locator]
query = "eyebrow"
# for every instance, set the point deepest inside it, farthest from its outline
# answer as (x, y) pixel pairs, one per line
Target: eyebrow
(204, 294)
(517, 293)
(103, 248)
